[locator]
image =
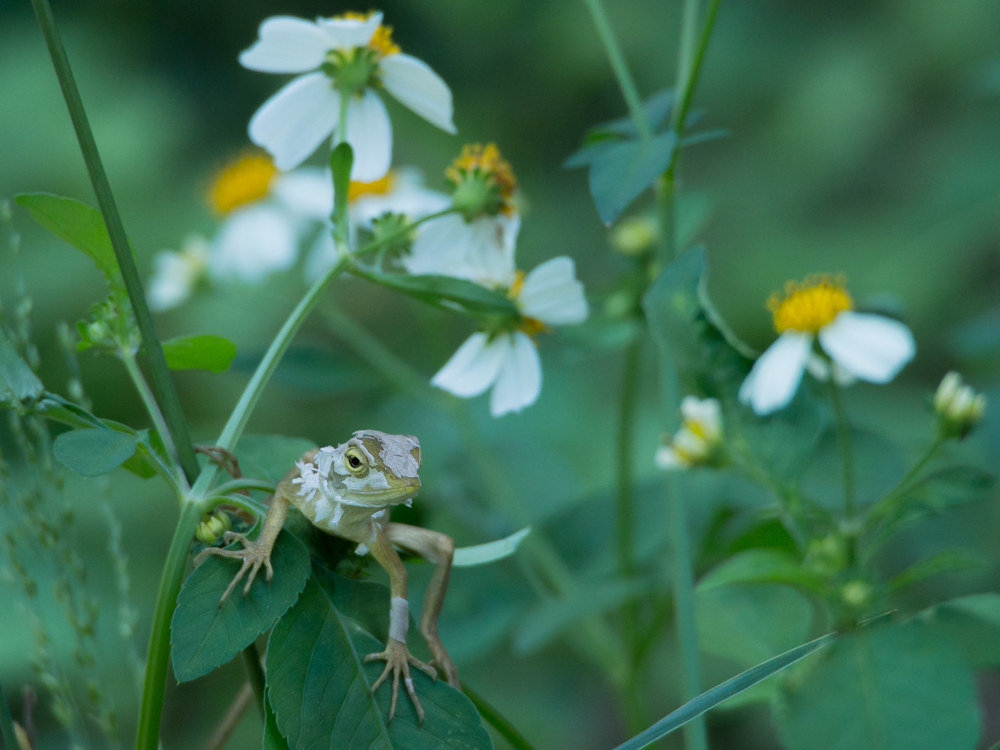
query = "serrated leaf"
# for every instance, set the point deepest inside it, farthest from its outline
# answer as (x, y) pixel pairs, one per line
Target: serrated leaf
(444, 291)
(481, 554)
(270, 456)
(758, 566)
(321, 689)
(207, 352)
(204, 635)
(622, 170)
(91, 453)
(78, 224)
(17, 380)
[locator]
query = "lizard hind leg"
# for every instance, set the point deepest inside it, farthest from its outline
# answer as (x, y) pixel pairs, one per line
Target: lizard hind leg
(439, 549)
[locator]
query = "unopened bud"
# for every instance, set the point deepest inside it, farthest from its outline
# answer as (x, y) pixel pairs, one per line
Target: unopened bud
(635, 235)
(857, 594)
(212, 527)
(958, 406)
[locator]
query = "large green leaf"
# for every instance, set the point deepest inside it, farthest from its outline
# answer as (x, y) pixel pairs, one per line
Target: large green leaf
(17, 380)
(204, 635)
(444, 291)
(208, 352)
(749, 623)
(321, 689)
(77, 223)
(888, 687)
(270, 456)
(622, 169)
(971, 622)
(91, 453)
(758, 566)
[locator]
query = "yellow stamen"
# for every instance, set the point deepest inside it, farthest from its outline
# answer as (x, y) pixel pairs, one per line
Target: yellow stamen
(810, 305)
(382, 40)
(532, 326)
(487, 160)
(380, 186)
(515, 289)
(241, 182)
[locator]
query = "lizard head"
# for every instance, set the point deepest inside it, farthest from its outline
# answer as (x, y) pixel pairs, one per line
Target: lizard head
(373, 468)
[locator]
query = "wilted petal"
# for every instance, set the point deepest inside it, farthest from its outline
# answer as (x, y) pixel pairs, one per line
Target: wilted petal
(370, 134)
(307, 192)
(287, 45)
(552, 294)
(474, 367)
(775, 376)
(520, 380)
(415, 85)
(252, 243)
(869, 347)
(344, 33)
(293, 122)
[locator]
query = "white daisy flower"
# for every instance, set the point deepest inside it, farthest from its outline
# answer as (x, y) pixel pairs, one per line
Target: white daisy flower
(350, 56)
(860, 346)
(176, 274)
(508, 361)
(697, 441)
(266, 214)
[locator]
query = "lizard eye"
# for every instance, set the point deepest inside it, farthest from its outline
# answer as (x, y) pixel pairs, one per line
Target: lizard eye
(357, 464)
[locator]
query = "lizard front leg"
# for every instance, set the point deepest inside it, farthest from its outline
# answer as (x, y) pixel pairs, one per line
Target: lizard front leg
(255, 552)
(396, 655)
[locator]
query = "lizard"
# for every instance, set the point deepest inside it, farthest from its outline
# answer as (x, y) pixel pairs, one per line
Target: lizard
(348, 491)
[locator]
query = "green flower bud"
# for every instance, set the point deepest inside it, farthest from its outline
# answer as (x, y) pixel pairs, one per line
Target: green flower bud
(635, 236)
(212, 527)
(857, 595)
(826, 556)
(958, 406)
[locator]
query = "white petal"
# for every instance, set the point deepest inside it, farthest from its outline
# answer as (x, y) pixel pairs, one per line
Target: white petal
(171, 283)
(552, 293)
(287, 45)
(869, 347)
(344, 33)
(293, 122)
(370, 134)
(408, 196)
(307, 192)
(416, 86)
(776, 374)
(474, 367)
(254, 242)
(481, 251)
(520, 378)
(667, 459)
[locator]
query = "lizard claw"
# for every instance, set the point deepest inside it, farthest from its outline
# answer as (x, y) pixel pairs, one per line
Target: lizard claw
(397, 661)
(254, 555)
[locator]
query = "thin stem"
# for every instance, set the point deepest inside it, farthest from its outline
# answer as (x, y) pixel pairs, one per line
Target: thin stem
(232, 718)
(882, 506)
(244, 484)
(163, 385)
(691, 57)
(620, 68)
(255, 674)
(242, 502)
(624, 500)
(846, 448)
(151, 710)
(128, 357)
(7, 723)
(507, 730)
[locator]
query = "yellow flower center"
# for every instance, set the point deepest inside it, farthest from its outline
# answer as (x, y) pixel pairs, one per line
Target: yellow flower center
(382, 40)
(488, 161)
(380, 186)
(810, 305)
(243, 181)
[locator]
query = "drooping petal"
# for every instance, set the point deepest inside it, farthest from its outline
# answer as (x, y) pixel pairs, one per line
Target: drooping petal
(481, 250)
(520, 380)
(408, 196)
(293, 122)
(344, 33)
(306, 192)
(474, 367)
(775, 376)
(869, 347)
(370, 134)
(552, 294)
(415, 85)
(254, 242)
(287, 45)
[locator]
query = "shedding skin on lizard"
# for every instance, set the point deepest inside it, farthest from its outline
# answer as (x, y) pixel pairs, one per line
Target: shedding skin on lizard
(348, 491)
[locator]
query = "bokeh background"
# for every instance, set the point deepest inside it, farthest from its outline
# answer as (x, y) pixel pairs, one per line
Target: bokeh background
(863, 138)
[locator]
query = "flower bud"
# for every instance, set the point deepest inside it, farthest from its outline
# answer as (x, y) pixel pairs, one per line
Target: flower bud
(958, 406)
(635, 235)
(699, 440)
(857, 595)
(826, 556)
(212, 527)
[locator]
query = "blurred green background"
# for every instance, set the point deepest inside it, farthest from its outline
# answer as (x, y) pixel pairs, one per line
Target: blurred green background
(864, 139)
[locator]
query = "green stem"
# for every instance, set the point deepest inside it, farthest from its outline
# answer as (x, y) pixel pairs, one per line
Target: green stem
(846, 448)
(163, 385)
(620, 68)
(507, 730)
(883, 505)
(7, 723)
(690, 57)
(240, 501)
(128, 357)
(244, 484)
(154, 686)
(624, 501)
(255, 674)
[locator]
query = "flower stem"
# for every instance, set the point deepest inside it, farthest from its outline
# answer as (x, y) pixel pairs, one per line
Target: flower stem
(690, 57)
(620, 68)
(151, 710)
(163, 385)
(879, 509)
(507, 730)
(255, 674)
(624, 500)
(846, 448)
(159, 424)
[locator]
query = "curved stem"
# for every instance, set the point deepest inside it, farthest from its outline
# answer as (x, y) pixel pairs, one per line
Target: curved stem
(244, 484)
(128, 357)
(240, 501)
(154, 685)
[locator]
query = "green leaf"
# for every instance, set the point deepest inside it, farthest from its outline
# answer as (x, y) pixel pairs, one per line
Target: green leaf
(270, 456)
(621, 170)
(749, 623)
(712, 698)
(444, 291)
(204, 635)
(972, 623)
(321, 689)
(894, 687)
(208, 352)
(946, 561)
(273, 739)
(953, 485)
(91, 453)
(78, 224)
(466, 557)
(758, 566)
(17, 380)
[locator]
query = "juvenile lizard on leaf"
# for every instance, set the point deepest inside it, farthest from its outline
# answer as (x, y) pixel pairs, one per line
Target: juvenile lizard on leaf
(348, 491)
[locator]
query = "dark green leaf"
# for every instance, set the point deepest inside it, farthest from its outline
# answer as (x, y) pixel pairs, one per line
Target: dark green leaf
(204, 635)
(622, 170)
(321, 689)
(78, 224)
(270, 456)
(946, 561)
(758, 566)
(17, 380)
(212, 353)
(712, 698)
(894, 687)
(970, 622)
(91, 453)
(444, 291)
(273, 739)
